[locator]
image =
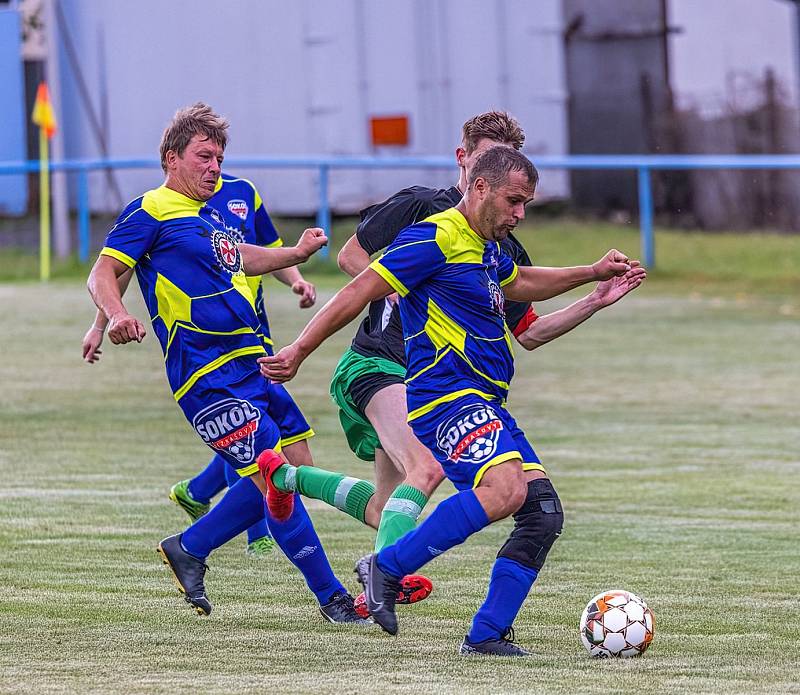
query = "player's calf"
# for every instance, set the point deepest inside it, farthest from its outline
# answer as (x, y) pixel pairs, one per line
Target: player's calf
(537, 525)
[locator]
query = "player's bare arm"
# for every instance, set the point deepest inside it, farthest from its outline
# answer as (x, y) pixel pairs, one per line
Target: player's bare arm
(551, 326)
(257, 260)
(353, 258)
(90, 347)
(103, 285)
(293, 279)
(537, 283)
(345, 305)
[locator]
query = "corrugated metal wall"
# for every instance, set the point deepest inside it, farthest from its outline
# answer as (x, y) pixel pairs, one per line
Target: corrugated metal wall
(304, 77)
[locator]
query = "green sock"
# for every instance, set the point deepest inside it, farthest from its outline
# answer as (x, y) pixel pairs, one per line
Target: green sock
(399, 515)
(350, 495)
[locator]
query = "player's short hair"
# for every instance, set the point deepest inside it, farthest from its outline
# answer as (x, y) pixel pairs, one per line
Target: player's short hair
(495, 164)
(494, 125)
(198, 119)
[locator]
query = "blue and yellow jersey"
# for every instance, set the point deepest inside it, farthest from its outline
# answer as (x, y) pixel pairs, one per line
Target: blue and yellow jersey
(247, 220)
(452, 310)
(190, 273)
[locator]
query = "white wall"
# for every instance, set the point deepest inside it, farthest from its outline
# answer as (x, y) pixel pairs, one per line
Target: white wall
(303, 77)
(725, 46)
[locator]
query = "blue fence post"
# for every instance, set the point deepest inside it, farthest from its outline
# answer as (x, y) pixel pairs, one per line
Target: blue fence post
(646, 217)
(324, 208)
(83, 215)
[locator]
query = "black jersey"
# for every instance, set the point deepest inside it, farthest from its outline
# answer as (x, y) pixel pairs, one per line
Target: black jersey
(381, 333)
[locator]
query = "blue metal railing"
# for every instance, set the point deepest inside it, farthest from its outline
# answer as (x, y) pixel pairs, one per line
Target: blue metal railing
(642, 164)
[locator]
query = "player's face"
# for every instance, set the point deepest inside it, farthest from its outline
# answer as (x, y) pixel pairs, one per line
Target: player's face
(503, 207)
(197, 171)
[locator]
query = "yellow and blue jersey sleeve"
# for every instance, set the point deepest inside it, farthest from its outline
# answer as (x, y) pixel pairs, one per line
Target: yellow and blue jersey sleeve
(413, 257)
(133, 234)
(507, 270)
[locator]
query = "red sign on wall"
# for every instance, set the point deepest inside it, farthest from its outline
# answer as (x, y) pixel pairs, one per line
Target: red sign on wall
(389, 130)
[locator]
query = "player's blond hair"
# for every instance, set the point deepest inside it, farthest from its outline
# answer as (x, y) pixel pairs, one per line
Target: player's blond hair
(499, 126)
(198, 119)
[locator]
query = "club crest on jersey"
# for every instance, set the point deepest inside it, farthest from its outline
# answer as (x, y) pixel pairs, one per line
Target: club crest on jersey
(238, 208)
(471, 435)
(226, 251)
(497, 298)
(229, 426)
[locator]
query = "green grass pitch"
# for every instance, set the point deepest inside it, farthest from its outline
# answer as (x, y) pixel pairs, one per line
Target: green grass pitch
(669, 424)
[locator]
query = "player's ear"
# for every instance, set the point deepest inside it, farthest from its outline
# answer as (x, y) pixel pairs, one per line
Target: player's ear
(461, 155)
(170, 158)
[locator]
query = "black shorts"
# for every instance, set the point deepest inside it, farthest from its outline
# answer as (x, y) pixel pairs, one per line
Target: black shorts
(363, 388)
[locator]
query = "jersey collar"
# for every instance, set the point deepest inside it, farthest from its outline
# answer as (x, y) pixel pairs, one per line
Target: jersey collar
(462, 222)
(170, 194)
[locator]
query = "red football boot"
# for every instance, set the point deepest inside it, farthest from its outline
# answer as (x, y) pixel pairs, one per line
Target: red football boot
(413, 588)
(279, 503)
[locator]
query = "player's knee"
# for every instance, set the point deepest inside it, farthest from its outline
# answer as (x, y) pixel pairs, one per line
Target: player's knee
(505, 500)
(538, 524)
(425, 476)
(505, 489)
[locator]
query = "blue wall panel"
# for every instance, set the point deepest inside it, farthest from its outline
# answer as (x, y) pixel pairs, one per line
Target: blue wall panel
(13, 189)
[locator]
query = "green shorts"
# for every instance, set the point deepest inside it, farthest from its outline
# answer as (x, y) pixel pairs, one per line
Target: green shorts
(361, 435)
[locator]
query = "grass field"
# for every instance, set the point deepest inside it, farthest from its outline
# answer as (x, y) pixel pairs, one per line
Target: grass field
(669, 424)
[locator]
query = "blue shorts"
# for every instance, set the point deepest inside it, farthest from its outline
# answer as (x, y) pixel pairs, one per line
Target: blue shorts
(470, 435)
(229, 409)
(287, 415)
(283, 410)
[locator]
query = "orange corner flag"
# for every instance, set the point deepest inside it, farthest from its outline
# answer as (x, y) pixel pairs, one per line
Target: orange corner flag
(43, 115)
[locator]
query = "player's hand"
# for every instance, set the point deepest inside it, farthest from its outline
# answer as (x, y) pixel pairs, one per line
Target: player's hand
(311, 241)
(613, 264)
(124, 328)
(612, 290)
(91, 345)
(282, 366)
(307, 292)
(393, 298)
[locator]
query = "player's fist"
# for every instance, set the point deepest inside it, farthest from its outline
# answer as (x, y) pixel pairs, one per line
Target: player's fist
(124, 328)
(91, 345)
(282, 366)
(311, 241)
(614, 263)
(307, 292)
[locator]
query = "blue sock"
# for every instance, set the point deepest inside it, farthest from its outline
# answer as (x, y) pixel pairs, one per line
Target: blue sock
(257, 530)
(240, 508)
(210, 481)
(508, 588)
(298, 539)
(449, 524)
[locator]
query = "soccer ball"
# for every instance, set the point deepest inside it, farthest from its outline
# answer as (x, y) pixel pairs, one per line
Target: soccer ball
(616, 623)
(480, 448)
(240, 450)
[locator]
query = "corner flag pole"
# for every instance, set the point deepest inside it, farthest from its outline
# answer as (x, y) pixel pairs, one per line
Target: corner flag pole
(44, 206)
(44, 117)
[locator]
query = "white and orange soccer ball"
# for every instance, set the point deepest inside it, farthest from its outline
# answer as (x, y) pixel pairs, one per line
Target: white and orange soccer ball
(616, 623)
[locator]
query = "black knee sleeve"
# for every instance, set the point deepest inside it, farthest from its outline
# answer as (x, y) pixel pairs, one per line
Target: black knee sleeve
(538, 524)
